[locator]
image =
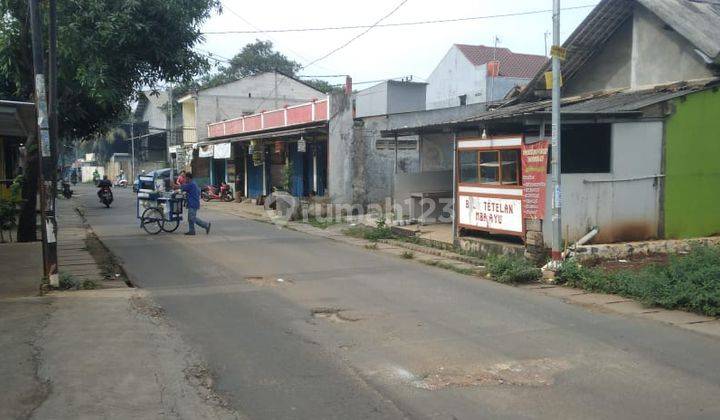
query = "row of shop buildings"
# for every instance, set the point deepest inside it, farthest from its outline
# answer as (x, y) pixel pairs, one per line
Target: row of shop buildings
(640, 138)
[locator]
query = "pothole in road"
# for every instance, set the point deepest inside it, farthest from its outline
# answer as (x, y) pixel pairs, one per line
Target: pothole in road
(268, 281)
(332, 314)
(146, 307)
(531, 373)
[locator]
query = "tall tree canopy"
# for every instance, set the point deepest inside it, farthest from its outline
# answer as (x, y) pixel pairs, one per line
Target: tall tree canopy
(255, 58)
(107, 51)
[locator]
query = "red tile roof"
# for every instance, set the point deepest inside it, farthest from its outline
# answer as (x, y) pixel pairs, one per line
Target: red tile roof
(512, 64)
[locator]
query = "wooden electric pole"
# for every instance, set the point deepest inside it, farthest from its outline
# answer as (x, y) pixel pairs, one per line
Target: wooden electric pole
(48, 170)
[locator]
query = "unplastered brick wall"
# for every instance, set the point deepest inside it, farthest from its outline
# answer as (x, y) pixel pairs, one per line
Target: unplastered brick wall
(534, 243)
(629, 249)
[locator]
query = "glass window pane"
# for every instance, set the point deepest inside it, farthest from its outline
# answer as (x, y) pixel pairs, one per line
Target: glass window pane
(468, 167)
(510, 162)
(489, 168)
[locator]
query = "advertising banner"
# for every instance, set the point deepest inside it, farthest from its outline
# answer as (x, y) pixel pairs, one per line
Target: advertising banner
(534, 179)
(222, 151)
(205, 151)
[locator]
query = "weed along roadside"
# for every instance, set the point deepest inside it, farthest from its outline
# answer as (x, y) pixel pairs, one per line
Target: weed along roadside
(686, 282)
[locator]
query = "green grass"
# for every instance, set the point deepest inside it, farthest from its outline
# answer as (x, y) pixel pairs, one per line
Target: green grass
(323, 223)
(511, 269)
(380, 231)
(690, 282)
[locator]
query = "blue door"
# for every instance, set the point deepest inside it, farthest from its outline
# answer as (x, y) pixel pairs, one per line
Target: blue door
(254, 178)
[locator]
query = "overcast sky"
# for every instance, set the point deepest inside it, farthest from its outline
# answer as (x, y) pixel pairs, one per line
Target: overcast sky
(385, 52)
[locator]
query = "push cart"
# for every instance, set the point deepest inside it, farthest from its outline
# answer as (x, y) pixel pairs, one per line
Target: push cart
(158, 210)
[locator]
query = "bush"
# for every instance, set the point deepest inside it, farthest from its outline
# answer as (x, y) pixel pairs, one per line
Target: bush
(507, 269)
(67, 282)
(408, 255)
(690, 282)
(381, 231)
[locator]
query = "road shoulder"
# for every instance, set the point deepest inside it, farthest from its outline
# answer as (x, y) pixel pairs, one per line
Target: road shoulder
(110, 353)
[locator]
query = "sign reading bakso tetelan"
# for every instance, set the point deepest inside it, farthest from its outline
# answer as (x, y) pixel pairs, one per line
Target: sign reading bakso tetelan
(495, 214)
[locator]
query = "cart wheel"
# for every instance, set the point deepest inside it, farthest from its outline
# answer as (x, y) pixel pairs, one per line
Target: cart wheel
(170, 226)
(152, 221)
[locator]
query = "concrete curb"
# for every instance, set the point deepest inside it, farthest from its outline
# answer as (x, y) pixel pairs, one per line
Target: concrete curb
(629, 307)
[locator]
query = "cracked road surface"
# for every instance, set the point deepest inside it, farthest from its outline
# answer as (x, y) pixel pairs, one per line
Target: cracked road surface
(397, 339)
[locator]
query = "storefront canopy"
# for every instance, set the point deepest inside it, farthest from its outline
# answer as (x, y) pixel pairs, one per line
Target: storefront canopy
(617, 103)
(17, 119)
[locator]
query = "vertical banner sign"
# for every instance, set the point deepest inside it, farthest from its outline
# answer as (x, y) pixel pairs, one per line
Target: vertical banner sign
(534, 179)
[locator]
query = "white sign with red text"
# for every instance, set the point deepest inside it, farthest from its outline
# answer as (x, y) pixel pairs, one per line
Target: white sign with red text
(502, 214)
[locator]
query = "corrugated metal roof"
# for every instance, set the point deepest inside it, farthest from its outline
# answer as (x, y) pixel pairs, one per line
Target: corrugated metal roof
(17, 119)
(512, 64)
(607, 102)
(627, 103)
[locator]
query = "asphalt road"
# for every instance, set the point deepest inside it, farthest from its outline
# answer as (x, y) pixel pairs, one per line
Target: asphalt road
(411, 341)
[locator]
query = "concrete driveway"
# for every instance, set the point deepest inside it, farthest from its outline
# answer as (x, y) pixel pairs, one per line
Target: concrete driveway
(299, 327)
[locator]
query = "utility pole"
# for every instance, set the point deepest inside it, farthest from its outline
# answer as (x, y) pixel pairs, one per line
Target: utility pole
(494, 69)
(47, 166)
(171, 135)
(54, 139)
(132, 147)
(556, 140)
(276, 90)
(547, 35)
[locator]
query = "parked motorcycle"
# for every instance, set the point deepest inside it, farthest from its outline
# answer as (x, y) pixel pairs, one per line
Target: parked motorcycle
(211, 192)
(106, 196)
(66, 191)
(122, 183)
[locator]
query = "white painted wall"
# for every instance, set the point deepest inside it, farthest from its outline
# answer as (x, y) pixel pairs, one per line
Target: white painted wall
(154, 114)
(455, 75)
(372, 101)
(619, 208)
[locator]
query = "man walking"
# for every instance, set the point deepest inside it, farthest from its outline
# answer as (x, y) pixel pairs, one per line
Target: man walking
(193, 203)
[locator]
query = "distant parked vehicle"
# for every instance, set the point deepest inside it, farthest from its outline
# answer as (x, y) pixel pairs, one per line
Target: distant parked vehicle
(211, 192)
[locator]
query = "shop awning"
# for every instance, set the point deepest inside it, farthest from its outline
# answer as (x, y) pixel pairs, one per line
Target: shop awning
(617, 103)
(17, 119)
(308, 129)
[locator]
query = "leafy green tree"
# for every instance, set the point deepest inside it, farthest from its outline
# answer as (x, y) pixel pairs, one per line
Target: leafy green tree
(258, 57)
(107, 51)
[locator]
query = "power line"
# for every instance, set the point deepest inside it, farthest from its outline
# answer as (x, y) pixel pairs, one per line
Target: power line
(258, 30)
(396, 24)
(402, 3)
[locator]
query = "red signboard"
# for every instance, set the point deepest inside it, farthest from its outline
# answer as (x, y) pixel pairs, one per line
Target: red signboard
(534, 179)
(215, 130)
(299, 114)
(321, 110)
(284, 117)
(274, 119)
